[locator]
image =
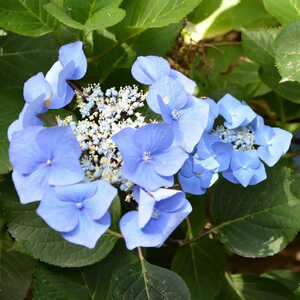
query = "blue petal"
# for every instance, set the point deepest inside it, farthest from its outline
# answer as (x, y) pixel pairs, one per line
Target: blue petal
(124, 140)
(246, 159)
(276, 147)
(76, 192)
(223, 154)
(213, 113)
(88, 231)
(259, 175)
(187, 168)
(188, 84)
(36, 87)
(234, 112)
(153, 138)
(229, 176)
(60, 94)
(146, 177)
(170, 200)
(204, 147)
(191, 185)
(155, 232)
(148, 69)
(24, 153)
(97, 205)
(31, 187)
(65, 152)
(170, 90)
(191, 125)
(244, 175)
(60, 215)
(73, 60)
(146, 206)
(169, 162)
(31, 112)
(17, 125)
(263, 135)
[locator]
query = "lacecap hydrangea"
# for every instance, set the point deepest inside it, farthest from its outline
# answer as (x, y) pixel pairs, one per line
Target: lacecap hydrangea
(75, 168)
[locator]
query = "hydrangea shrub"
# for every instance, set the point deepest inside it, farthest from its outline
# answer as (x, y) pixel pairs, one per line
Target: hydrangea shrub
(142, 190)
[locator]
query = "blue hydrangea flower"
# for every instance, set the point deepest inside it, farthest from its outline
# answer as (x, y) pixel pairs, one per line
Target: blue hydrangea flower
(213, 113)
(273, 142)
(79, 211)
(150, 69)
(235, 113)
(159, 213)
(71, 65)
(150, 157)
(213, 151)
(196, 175)
(42, 157)
(245, 168)
(36, 92)
(186, 115)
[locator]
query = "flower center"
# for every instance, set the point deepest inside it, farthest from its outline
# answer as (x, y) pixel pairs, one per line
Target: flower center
(147, 156)
(242, 139)
(48, 162)
(175, 114)
(79, 205)
(155, 213)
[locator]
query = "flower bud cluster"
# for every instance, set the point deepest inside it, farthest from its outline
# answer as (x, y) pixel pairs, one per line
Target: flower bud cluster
(104, 114)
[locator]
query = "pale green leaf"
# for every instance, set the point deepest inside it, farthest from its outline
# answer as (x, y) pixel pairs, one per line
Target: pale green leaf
(287, 52)
(283, 10)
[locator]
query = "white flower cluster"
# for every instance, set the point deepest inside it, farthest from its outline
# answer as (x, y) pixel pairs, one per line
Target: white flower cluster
(103, 115)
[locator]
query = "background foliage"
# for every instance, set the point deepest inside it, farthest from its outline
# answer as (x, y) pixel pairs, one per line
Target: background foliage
(249, 48)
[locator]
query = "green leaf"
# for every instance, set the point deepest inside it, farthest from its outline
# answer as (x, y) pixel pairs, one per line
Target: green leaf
(96, 17)
(250, 287)
(283, 10)
(58, 13)
(288, 90)
(20, 58)
(114, 55)
(287, 278)
(261, 220)
(202, 266)
(214, 17)
(44, 243)
(258, 45)
(16, 271)
(88, 283)
(287, 51)
(132, 282)
(144, 14)
(26, 17)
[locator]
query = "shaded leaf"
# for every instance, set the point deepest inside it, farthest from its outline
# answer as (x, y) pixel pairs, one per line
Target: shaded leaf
(202, 266)
(261, 220)
(130, 282)
(88, 283)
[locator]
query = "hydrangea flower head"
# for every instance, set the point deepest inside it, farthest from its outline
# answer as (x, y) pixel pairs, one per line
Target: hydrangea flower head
(79, 211)
(158, 215)
(196, 176)
(42, 157)
(150, 157)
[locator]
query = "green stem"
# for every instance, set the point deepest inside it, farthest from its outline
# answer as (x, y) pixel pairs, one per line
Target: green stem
(117, 234)
(144, 271)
